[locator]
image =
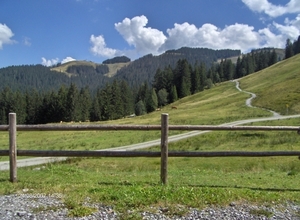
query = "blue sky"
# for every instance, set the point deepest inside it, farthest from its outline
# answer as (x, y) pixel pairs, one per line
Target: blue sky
(51, 31)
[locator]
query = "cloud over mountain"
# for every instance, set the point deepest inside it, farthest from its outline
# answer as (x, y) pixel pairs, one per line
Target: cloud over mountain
(147, 40)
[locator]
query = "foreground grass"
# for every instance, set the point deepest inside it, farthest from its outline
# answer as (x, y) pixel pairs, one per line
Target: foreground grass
(134, 183)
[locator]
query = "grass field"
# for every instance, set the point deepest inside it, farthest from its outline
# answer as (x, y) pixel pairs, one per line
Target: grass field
(134, 183)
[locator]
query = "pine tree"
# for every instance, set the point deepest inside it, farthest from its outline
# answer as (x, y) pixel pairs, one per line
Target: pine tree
(62, 104)
(96, 114)
(162, 97)
(203, 76)
(33, 104)
(140, 108)
(288, 49)
(127, 98)
(106, 108)
(151, 101)
(297, 46)
(116, 102)
(183, 77)
(195, 80)
(273, 58)
(73, 111)
(84, 104)
(173, 95)
(238, 68)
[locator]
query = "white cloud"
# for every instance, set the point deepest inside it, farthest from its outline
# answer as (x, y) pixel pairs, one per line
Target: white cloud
(269, 39)
(51, 62)
(5, 35)
(67, 59)
(26, 41)
(244, 37)
(237, 36)
(99, 47)
(145, 39)
(264, 6)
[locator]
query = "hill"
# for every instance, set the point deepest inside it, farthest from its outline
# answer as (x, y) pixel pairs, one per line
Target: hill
(277, 87)
(280, 53)
(143, 69)
(97, 75)
(112, 67)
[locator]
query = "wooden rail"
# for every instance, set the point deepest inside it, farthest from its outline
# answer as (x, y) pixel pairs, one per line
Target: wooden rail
(164, 154)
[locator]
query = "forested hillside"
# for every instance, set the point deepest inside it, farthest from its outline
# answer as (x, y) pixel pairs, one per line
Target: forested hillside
(84, 73)
(70, 102)
(143, 69)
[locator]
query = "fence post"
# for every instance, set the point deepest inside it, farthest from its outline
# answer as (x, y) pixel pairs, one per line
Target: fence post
(164, 148)
(13, 147)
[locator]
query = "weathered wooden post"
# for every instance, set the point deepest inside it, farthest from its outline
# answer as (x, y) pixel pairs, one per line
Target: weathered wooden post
(164, 148)
(13, 147)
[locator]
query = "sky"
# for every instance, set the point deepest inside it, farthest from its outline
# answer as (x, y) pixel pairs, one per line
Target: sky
(48, 32)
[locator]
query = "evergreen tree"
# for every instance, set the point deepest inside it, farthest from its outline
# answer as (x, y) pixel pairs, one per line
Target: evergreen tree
(96, 114)
(195, 80)
(162, 97)
(238, 68)
(220, 70)
(73, 111)
(273, 58)
(151, 101)
(106, 108)
(297, 46)
(173, 94)
(288, 49)
(33, 104)
(183, 78)
(250, 64)
(116, 101)
(203, 76)
(84, 104)
(140, 108)
(6, 104)
(127, 98)
(62, 104)
(229, 69)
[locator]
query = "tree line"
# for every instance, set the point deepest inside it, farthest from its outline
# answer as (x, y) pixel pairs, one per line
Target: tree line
(292, 48)
(117, 99)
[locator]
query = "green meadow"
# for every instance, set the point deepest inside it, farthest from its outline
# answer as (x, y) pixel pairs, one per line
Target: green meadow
(132, 185)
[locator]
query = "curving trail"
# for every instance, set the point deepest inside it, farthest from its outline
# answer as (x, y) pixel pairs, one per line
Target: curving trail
(253, 96)
(43, 160)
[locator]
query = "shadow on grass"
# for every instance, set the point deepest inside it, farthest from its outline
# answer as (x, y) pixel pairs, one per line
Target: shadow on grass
(251, 188)
(127, 183)
(4, 180)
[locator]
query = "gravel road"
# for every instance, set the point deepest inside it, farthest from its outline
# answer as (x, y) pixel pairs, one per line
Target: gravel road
(51, 207)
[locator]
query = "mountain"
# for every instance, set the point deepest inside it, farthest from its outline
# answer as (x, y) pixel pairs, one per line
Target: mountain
(144, 68)
(97, 75)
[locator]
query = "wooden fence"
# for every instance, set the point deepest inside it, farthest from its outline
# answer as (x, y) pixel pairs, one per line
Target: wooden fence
(12, 127)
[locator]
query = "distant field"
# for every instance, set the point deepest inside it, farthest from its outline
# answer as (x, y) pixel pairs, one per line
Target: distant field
(134, 183)
(113, 68)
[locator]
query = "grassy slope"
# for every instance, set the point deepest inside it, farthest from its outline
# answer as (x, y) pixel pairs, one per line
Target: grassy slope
(133, 184)
(113, 68)
(277, 87)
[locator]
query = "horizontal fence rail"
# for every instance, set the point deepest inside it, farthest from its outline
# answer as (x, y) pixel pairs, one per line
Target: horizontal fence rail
(148, 128)
(163, 154)
(62, 153)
